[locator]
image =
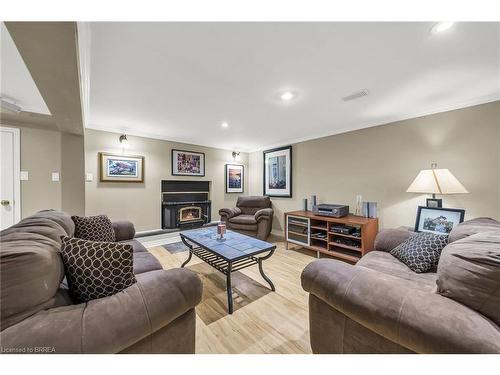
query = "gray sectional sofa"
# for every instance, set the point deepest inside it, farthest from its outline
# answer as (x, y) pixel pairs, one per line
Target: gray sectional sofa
(380, 306)
(155, 315)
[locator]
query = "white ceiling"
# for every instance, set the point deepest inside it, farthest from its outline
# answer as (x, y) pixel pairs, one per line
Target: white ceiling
(16, 82)
(179, 81)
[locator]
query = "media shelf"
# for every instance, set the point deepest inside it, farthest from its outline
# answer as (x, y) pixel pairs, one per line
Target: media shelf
(317, 233)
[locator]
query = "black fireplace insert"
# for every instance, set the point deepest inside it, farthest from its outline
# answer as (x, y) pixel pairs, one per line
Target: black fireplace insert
(185, 204)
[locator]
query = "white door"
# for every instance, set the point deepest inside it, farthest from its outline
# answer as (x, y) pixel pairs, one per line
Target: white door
(10, 189)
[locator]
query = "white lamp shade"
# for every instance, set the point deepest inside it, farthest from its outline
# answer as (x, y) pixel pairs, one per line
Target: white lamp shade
(436, 181)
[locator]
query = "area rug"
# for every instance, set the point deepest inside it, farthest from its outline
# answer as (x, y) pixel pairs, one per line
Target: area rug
(176, 247)
(213, 305)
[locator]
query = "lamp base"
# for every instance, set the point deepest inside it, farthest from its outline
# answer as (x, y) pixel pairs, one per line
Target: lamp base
(434, 202)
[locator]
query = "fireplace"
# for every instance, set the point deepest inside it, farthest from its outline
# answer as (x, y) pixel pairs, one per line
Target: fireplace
(191, 213)
(185, 204)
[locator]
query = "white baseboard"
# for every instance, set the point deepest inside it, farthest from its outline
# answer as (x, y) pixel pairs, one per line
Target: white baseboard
(145, 232)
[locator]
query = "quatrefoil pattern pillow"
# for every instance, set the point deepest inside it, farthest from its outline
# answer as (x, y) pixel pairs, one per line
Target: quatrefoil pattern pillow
(421, 252)
(94, 228)
(97, 269)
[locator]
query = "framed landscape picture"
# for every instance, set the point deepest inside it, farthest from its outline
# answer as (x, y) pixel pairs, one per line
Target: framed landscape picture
(278, 172)
(121, 168)
(438, 220)
(234, 178)
(188, 163)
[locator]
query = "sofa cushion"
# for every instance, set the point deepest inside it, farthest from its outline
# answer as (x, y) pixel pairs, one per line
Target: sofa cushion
(145, 262)
(59, 217)
(96, 269)
(136, 246)
(94, 228)
(469, 272)
(421, 252)
(249, 205)
(124, 230)
(240, 228)
(31, 268)
(49, 223)
(243, 219)
(470, 227)
(388, 239)
(384, 262)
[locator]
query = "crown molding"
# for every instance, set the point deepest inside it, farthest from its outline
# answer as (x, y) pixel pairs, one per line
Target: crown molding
(353, 127)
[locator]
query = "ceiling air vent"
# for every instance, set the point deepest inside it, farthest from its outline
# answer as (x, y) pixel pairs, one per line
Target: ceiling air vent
(356, 95)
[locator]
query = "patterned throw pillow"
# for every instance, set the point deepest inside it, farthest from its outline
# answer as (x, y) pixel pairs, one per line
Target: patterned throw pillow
(96, 269)
(421, 252)
(94, 228)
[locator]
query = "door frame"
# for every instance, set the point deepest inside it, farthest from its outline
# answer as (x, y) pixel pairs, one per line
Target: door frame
(16, 132)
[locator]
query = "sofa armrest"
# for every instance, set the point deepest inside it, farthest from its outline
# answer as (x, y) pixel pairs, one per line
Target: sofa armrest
(264, 213)
(110, 324)
(422, 321)
(124, 230)
(228, 213)
(388, 239)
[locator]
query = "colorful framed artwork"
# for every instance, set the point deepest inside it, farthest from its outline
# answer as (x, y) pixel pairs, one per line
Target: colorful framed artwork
(235, 178)
(121, 168)
(278, 172)
(188, 163)
(438, 220)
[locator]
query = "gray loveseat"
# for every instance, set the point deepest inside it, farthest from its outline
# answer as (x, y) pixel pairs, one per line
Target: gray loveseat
(155, 315)
(381, 306)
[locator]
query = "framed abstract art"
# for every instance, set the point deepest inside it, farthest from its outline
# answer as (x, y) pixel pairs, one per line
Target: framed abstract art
(188, 163)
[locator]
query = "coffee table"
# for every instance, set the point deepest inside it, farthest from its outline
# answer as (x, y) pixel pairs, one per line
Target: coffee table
(235, 252)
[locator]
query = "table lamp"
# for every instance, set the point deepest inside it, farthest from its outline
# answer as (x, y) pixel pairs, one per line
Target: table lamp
(436, 181)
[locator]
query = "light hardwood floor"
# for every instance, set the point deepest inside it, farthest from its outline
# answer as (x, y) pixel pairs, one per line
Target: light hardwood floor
(263, 321)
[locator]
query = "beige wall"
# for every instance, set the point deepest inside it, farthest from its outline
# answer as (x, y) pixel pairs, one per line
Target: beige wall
(72, 173)
(45, 151)
(140, 203)
(380, 163)
(40, 156)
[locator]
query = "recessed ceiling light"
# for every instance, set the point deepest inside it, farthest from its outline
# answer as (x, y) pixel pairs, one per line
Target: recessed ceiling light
(224, 125)
(441, 26)
(286, 96)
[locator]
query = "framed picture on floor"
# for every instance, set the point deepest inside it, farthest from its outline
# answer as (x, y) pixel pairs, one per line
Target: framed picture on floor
(121, 168)
(278, 172)
(188, 163)
(438, 220)
(235, 178)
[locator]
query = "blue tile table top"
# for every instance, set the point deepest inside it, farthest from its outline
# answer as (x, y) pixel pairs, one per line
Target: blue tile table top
(234, 246)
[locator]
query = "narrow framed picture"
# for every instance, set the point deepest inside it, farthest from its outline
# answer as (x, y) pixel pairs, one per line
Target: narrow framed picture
(438, 220)
(235, 178)
(278, 172)
(188, 163)
(121, 168)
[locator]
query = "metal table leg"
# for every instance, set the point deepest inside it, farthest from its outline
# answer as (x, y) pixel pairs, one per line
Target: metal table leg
(229, 289)
(190, 251)
(261, 270)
